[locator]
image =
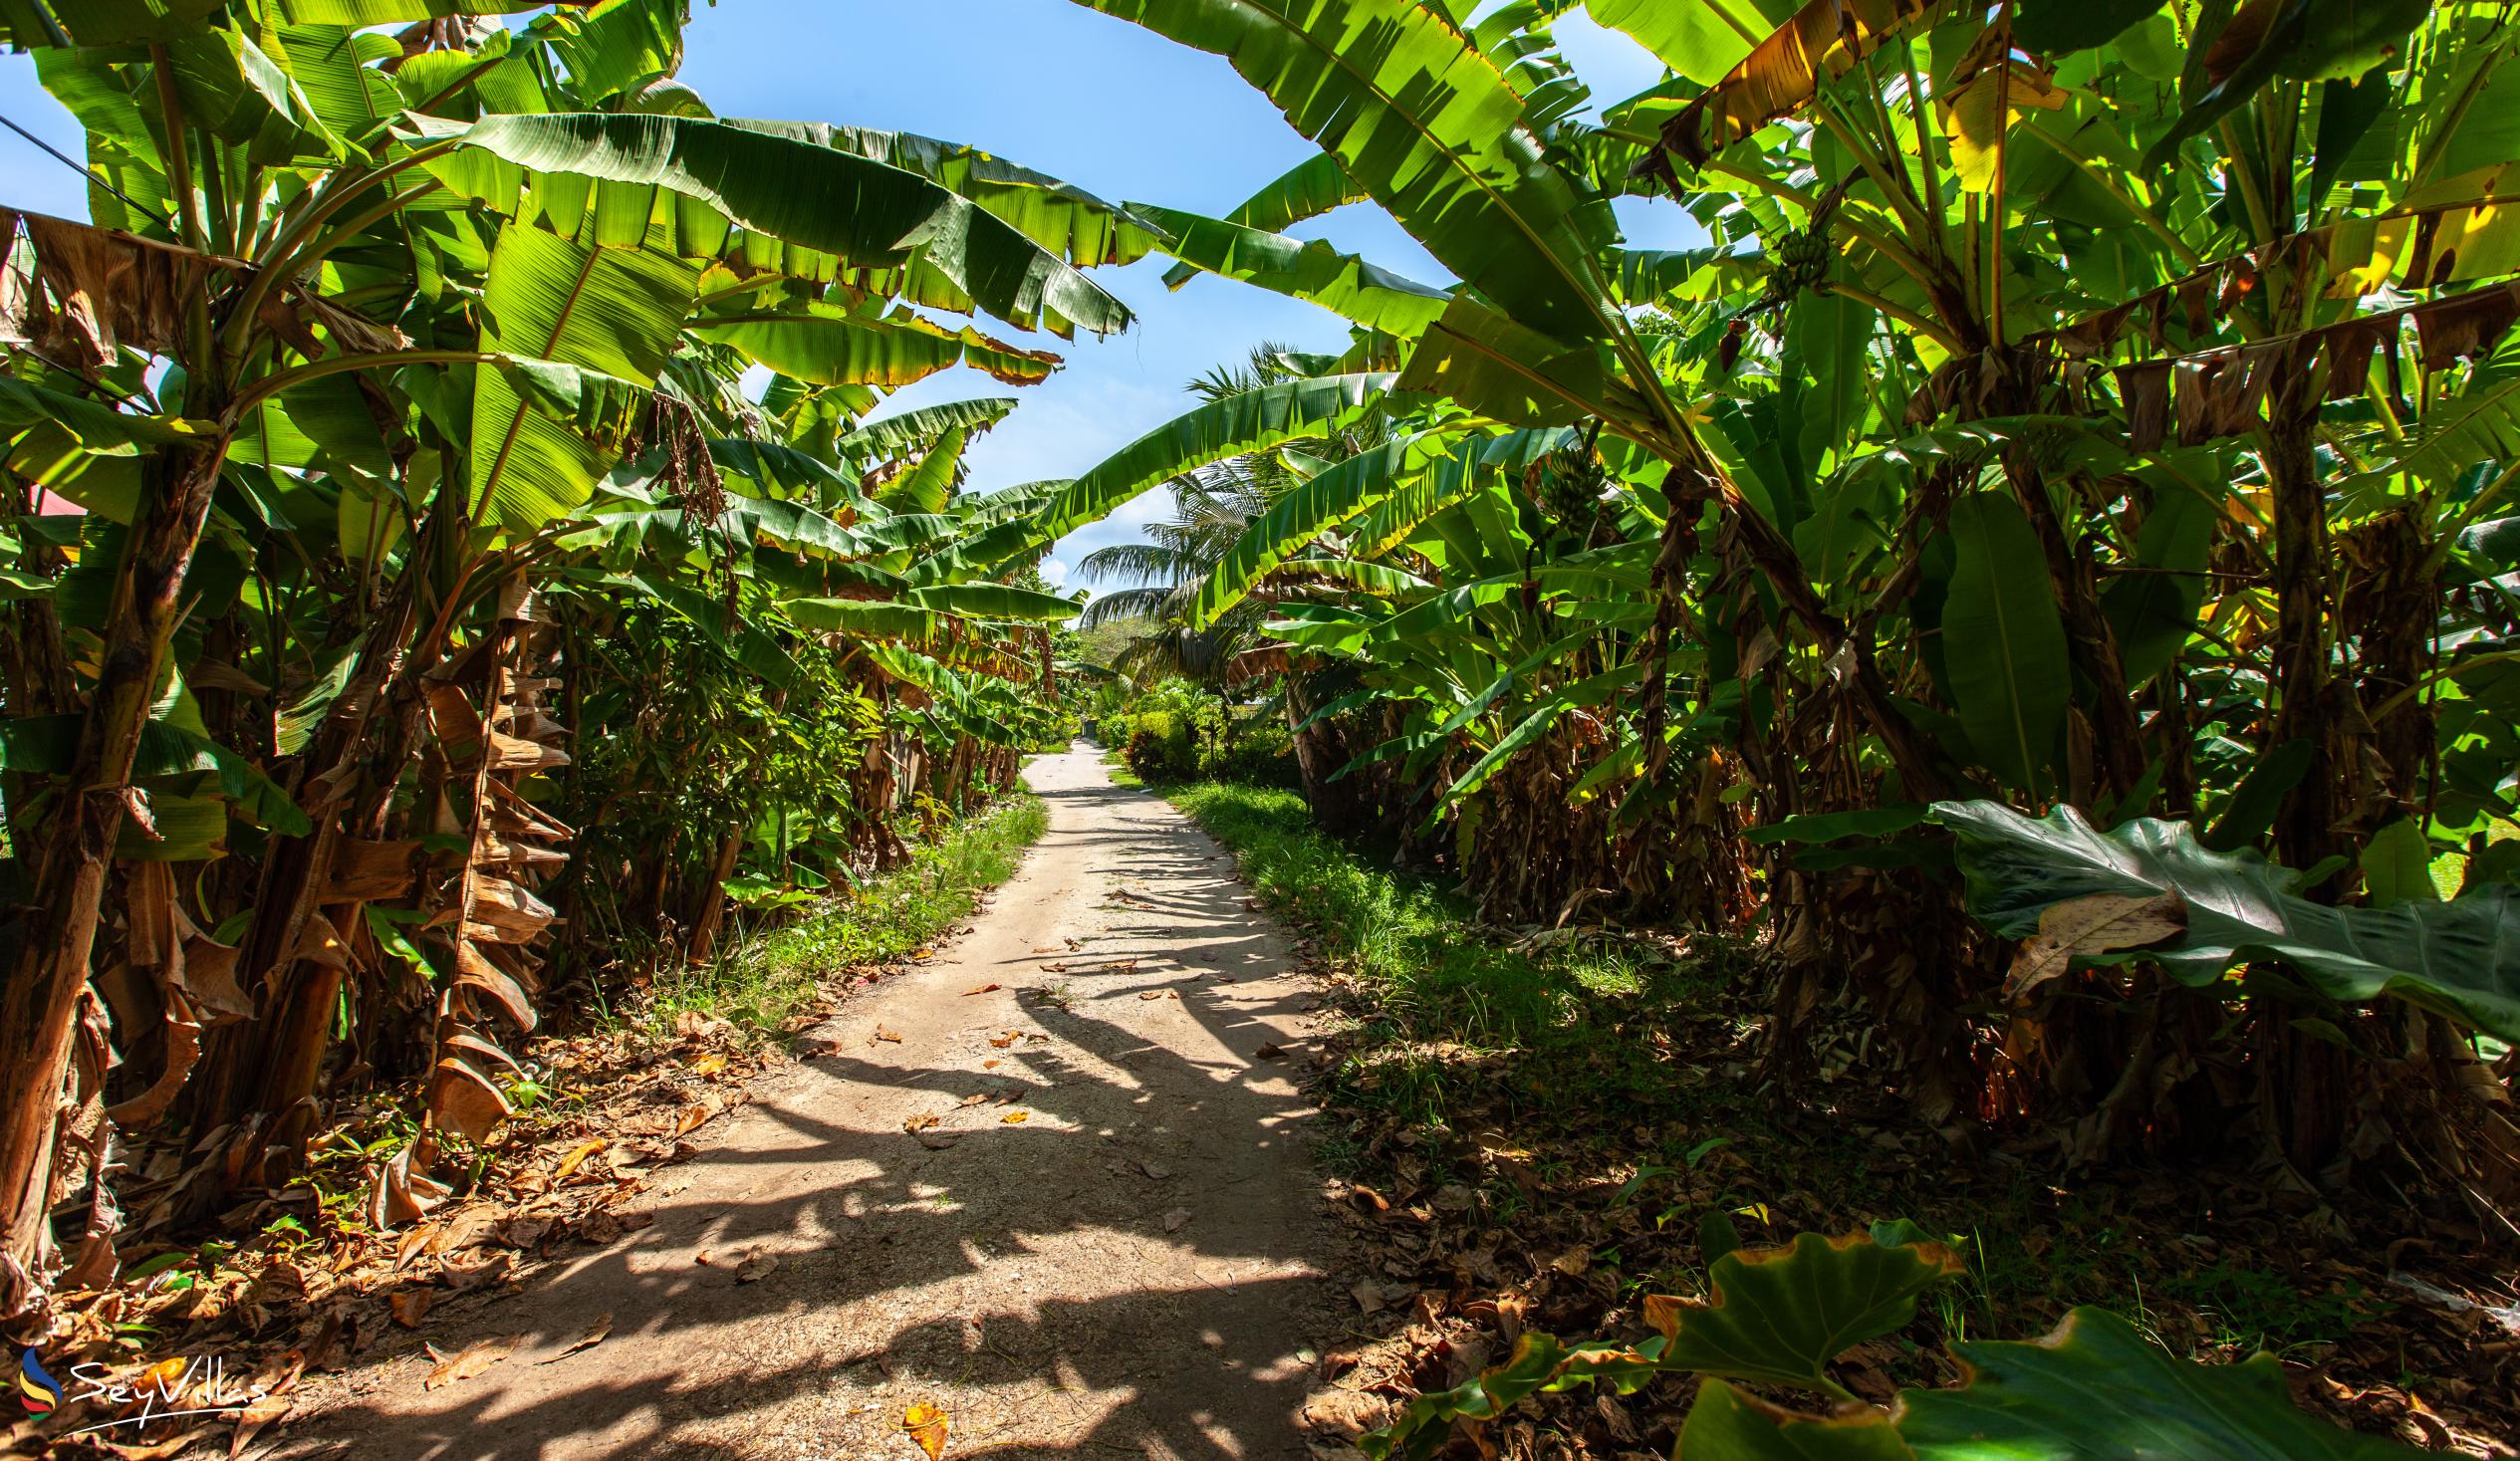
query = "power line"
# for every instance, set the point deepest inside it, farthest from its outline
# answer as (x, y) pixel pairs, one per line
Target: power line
(65, 160)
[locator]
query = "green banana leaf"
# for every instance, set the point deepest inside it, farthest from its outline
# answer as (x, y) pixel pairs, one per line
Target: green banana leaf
(1253, 421)
(1428, 126)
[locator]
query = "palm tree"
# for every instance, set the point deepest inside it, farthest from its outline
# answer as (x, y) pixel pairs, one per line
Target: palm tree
(1213, 507)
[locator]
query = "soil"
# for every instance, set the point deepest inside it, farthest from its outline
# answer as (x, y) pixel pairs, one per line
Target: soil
(1054, 1182)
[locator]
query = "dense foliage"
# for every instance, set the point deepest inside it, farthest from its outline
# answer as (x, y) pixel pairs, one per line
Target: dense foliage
(2069, 490)
(411, 622)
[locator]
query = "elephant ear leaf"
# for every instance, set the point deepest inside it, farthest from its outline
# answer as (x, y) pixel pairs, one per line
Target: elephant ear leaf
(2097, 1387)
(1778, 1315)
(2460, 958)
(1726, 1423)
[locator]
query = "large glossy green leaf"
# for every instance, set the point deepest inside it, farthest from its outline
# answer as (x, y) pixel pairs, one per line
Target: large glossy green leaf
(612, 312)
(2004, 642)
(1779, 1316)
(1427, 126)
(879, 442)
(828, 345)
(2461, 958)
(1725, 1424)
(930, 481)
(1506, 370)
(30, 24)
(1343, 284)
(1059, 216)
(2152, 610)
(230, 85)
(863, 618)
(1309, 189)
(995, 601)
(616, 46)
(1699, 38)
(778, 180)
(1333, 496)
(2097, 1389)
(1253, 421)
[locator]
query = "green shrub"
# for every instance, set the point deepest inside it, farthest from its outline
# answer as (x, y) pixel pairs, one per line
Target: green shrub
(1259, 752)
(1159, 747)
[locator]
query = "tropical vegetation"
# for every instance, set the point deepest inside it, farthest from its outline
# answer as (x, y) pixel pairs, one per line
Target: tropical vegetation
(2039, 580)
(415, 624)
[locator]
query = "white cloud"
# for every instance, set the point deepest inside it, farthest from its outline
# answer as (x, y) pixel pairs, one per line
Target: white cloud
(1055, 571)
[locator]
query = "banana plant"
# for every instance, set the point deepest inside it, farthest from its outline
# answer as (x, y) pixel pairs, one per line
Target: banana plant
(352, 377)
(2101, 408)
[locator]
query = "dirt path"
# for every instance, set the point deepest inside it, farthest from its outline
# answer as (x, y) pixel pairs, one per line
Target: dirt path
(1134, 1269)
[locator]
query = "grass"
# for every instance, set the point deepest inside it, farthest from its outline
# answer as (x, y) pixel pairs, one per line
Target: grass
(1555, 1078)
(884, 920)
(1430, 975)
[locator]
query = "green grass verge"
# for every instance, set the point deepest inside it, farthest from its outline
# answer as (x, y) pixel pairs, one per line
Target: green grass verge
(767, 980)
(1601, 1057)
(1430, 973)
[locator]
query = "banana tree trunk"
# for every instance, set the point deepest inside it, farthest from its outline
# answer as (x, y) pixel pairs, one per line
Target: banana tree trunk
(75, 843)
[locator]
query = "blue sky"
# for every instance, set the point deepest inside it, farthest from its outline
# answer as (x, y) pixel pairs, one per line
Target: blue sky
(1051, 85)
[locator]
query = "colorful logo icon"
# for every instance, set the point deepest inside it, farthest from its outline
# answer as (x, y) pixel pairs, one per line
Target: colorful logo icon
(37, 1391)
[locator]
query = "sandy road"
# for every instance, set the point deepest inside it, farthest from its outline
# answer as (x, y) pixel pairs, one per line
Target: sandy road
(1134, 1269)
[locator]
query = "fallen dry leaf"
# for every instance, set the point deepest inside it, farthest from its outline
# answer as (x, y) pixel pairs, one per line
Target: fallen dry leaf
(975, 1097)
(920, 1122)
(926, 1425)
(476, 1357)
(1151, 994)
(1016, 1119)
(1175, 1219)
(1269, 1051)
(409, 1307)
(597, 1332)
(1001, 1042)
(265, 1411)
(690, 1121)
(886, 1032)
(2096, 924)
(578, 1155)
(983, 989)
(755, 1267)
(709, 1065)
(991, 1064)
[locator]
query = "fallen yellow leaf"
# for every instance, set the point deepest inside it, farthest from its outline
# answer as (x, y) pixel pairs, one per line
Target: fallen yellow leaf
(926, 1425)
(1016, 1119)
(577, 1157)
